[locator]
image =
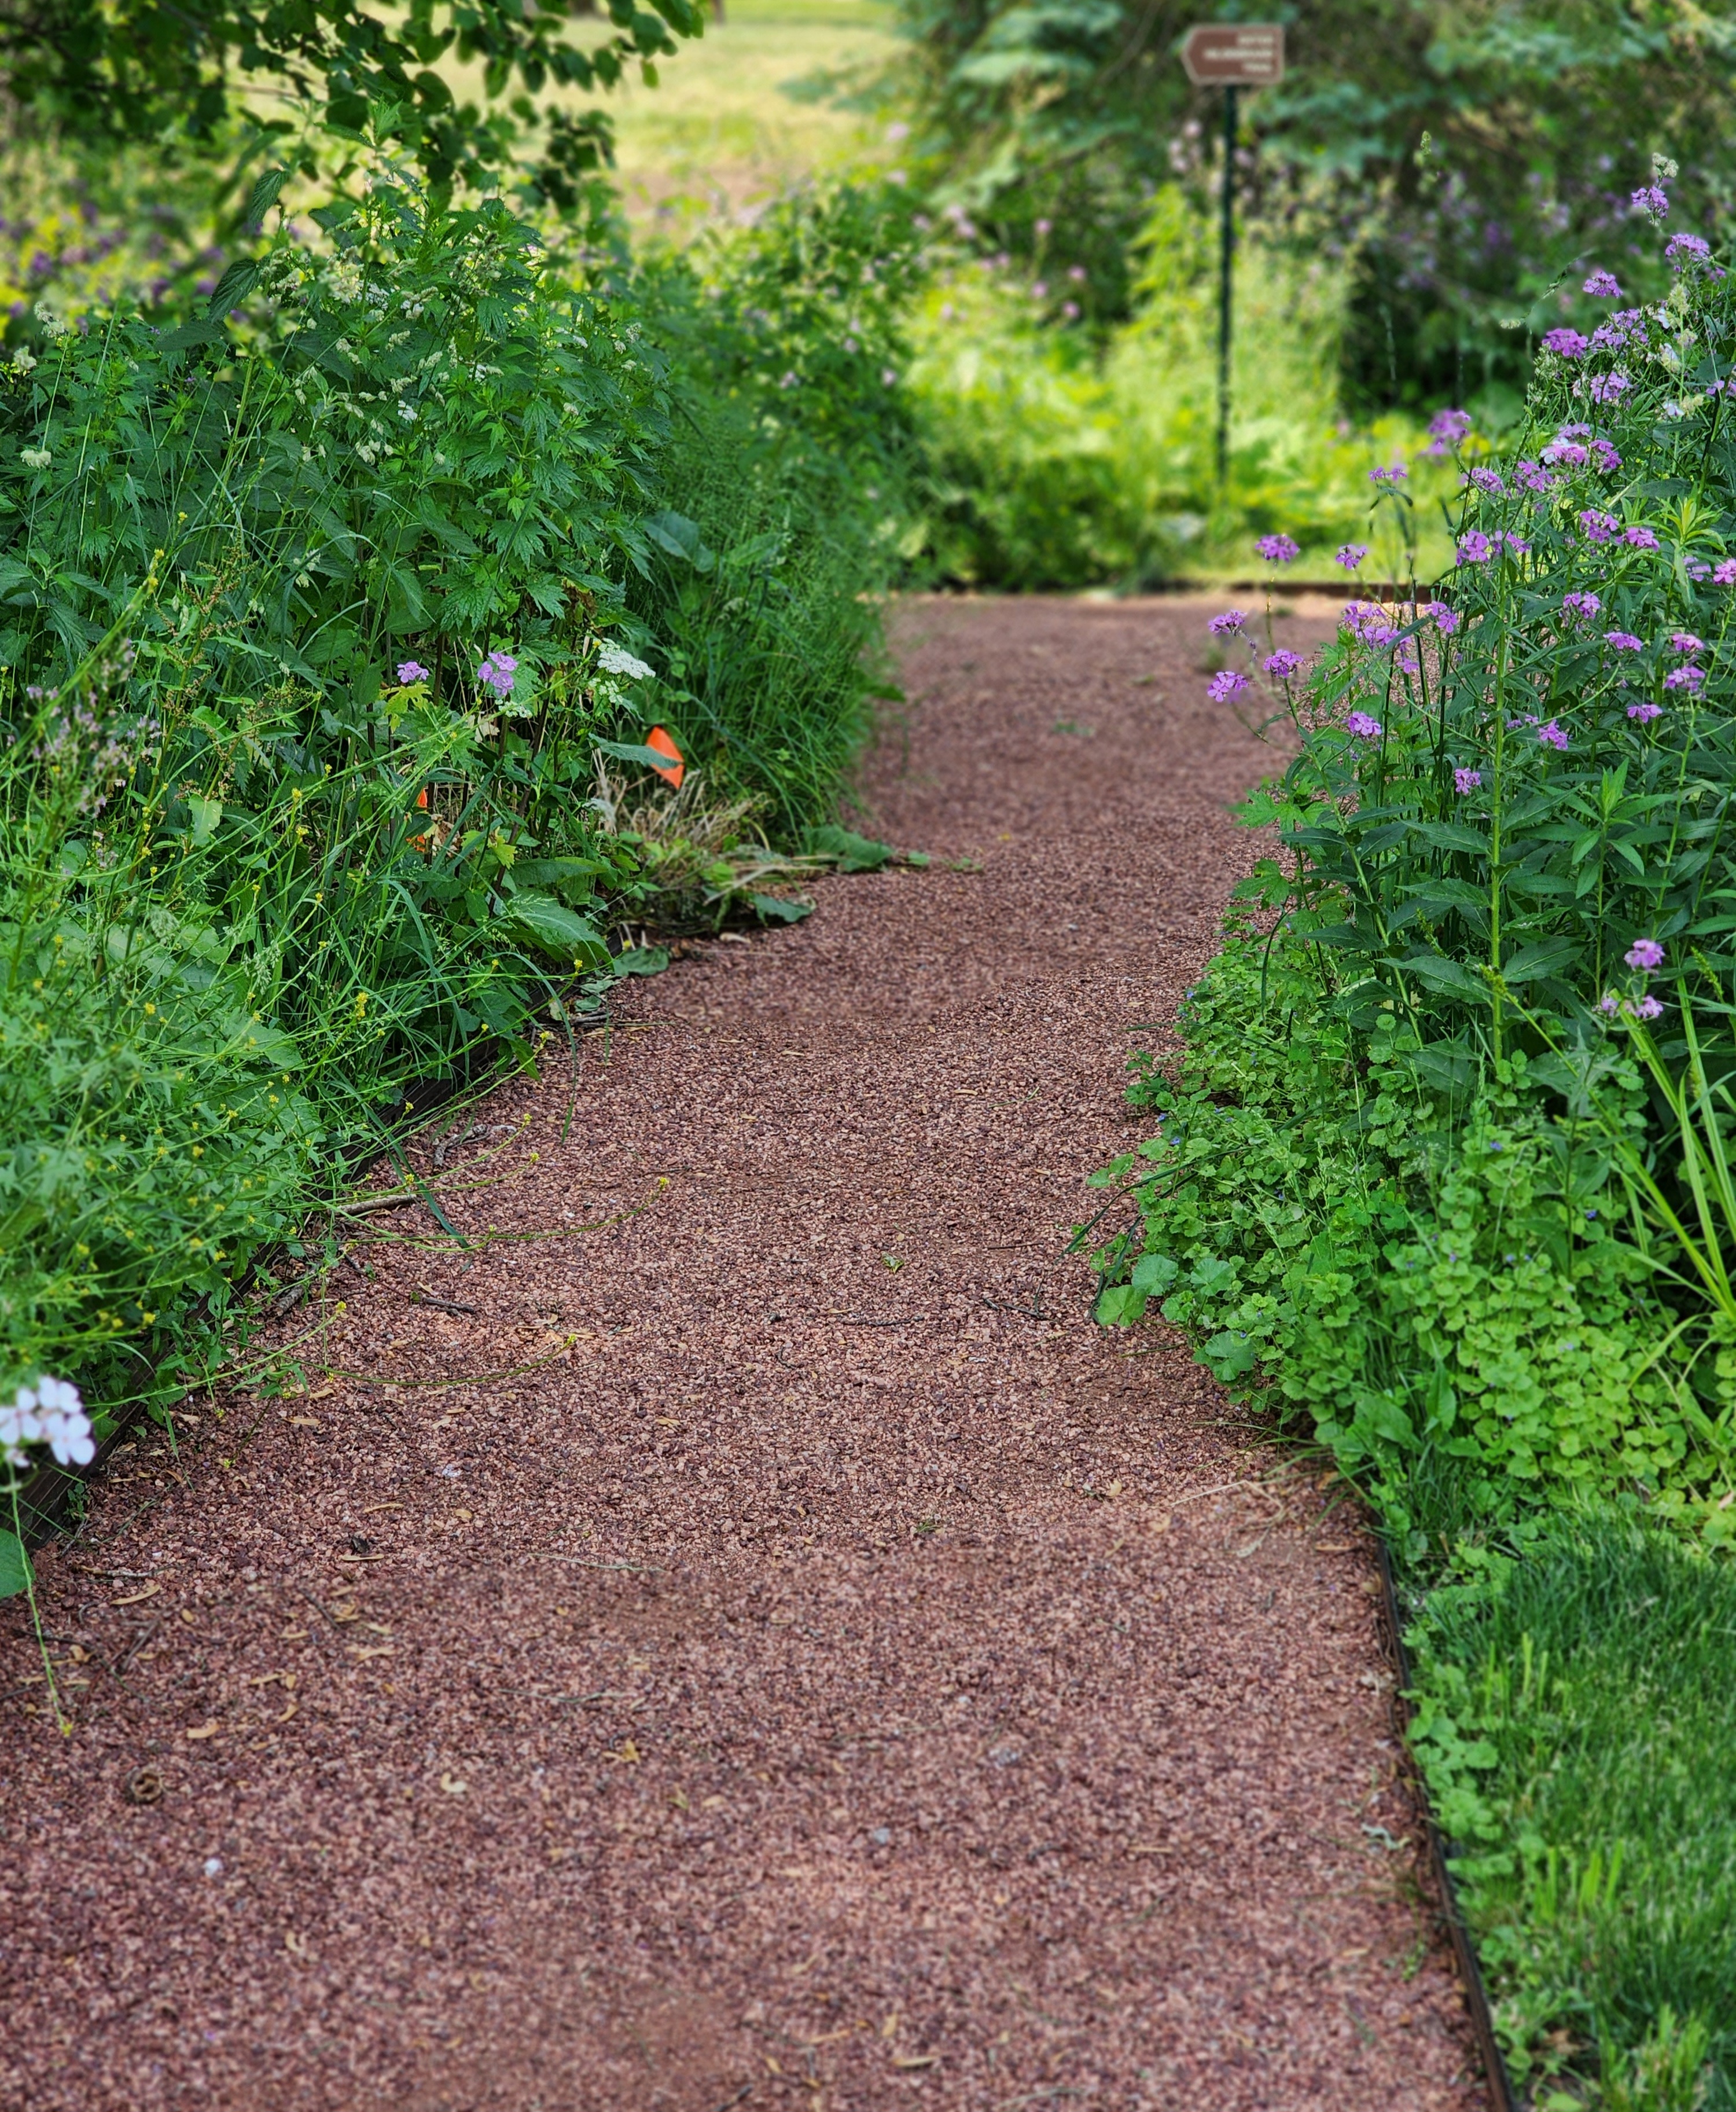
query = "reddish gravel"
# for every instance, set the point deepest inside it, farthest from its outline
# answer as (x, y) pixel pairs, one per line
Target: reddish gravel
(774, 1649)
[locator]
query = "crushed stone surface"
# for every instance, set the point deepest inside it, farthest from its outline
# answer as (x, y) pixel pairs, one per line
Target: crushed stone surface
(754, 1640)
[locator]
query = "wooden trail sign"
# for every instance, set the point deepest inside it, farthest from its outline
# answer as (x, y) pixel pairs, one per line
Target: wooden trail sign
(1234, 54)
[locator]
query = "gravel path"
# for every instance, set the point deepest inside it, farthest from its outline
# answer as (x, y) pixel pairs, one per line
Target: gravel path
(756, 1642)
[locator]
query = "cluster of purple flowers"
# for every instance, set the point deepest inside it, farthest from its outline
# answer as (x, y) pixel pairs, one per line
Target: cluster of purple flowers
(1230, 622)
(1534, 478)
(1689, 677)
(1645, 711)
(1626, 326)
(1581, 607)
(1350, 555)
(1490, 481)
(1568, 344)
(497, 672)
(413, 671)
(1467, 780)
(1477, 549)
(1608, 388)
(1396, 473)
(1283, 665)
(1552, 734)
(1446, 429)
(1650, 200)
(1279, 549)
(1682, 250)
(1224, 685)
(1360, 726)
(1602, 286)
(1643, 956)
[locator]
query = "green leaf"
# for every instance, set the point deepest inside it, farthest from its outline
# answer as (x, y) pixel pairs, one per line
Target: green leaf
(557, 931)
(646, 758)
(1153, 1273)
(642, 961)
(678, 537)
(853, 853)
(14, 1565)
(775, 909)
(1120, 1305)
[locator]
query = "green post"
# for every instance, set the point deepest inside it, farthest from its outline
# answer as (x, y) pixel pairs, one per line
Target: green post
(1226, 275)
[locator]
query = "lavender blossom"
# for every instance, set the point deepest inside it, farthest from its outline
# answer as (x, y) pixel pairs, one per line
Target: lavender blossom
(1689, 677)
(1360, 726)
(1283, 665)
(1598, 527)
(1644, 953)
(1225, 684)
(1640, 538)
(1551, 735)
(1279, 549)
(1602, 286)
(1682, 250)
(1624, 641)
(1487, 479)
(1649, 200)
(1569, 343)
(1645, 711)
(1581, 607)
(1684, 641)
(1608, 388)
(1232, 620)
(1350, 555)
(1467, 780)
(412, 671)
(1396, 474)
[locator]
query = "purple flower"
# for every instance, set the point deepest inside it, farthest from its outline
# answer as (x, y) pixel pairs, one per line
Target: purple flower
(1651, 201)
(1475, 548)
(1446, 429)
(1279, 549)
(1283, 665)
(1647, 1008)
(1597, 526)
(1396, 474)
(1684, 641)
(1608, 388)
(1534, 479)
(1516, 545)
(1224, 685)
(1644, 953)
(412, 671)
(1610, 1005)
(1446, 621)
(1360, 726)
(1351, 555)
(1551, 735)
(1602, 286)
(1681, 250)
(1641, 539)
(1568, 343)
(1581, 607)
(1607, 457)
(1467, 780)
(1487, 479)
(1724, 575)
(1570, 452)
(1689, 677)
(1231, 620)
(497, 672)
(1624, 641)
(1645, 713)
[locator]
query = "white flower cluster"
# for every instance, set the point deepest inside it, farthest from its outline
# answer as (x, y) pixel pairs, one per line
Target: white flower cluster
(615, 660)
(49, 1413)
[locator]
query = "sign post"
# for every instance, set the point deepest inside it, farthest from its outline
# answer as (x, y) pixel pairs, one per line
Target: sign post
(1231, 56)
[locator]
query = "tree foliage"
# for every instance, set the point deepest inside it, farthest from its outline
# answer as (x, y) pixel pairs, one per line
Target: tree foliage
(106, 71)
(1464, 155)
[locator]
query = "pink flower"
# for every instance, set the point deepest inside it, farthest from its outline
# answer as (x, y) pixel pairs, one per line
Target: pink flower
(1551, 735)
(1684, 641)
(1645, 713)
(1475, 548)
(1224, 685)
(1360, 726)
(1282, 665)
(1602, 286)
(1581, 607)
(1647, 1008)
(1567, 343)
(1724, 574)
(1644, 953)
(412, 671)
(1598, 527)
(1688, 677)
(1467, 780)
(1641, 539)
(1624, 641)
(1231, 620)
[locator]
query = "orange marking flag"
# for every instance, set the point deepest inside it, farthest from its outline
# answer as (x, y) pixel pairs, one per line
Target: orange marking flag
(659, 739)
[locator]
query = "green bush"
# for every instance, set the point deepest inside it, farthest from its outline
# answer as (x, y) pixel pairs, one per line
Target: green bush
(317, 630)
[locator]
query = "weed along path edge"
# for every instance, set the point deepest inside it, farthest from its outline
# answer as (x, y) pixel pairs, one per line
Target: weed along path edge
(729, 1629)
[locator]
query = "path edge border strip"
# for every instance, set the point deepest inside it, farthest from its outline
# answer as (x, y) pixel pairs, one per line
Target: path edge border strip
(1465, 1951)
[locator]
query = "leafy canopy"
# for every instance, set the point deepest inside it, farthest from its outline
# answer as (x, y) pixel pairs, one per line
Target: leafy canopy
(103, 70)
